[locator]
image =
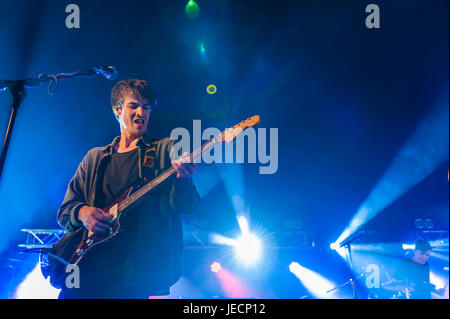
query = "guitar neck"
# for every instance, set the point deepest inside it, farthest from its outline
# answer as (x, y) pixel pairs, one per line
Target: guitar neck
(150, 186)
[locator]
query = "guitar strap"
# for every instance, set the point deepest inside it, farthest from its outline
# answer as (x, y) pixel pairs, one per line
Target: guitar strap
(149, 156)
(148, 161)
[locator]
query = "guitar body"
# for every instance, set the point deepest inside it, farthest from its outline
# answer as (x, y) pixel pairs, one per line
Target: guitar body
(74, 245)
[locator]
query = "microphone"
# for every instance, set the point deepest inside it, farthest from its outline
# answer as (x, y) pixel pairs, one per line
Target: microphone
(108, 72)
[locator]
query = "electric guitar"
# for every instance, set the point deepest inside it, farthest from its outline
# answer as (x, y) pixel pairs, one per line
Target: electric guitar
(74, 245)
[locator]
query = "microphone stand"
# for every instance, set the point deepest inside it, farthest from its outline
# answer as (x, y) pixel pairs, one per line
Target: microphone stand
(350, 281)
(352, 276)
(18, 92)
(347, 244)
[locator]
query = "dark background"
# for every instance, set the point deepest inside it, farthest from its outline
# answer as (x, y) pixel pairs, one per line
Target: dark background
(345, 100)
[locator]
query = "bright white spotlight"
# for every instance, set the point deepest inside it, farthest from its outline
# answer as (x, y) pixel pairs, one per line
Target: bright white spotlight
(243, 225)
(439, 282)
(248, 248)
(408, 246)
(35, 286)
(426, 149)
(316, 284)
(294, 267)
(337, 248)
(222, 240)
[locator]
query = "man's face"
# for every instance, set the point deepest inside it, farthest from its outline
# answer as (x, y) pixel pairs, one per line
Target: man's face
(422, 257)
(134, 116)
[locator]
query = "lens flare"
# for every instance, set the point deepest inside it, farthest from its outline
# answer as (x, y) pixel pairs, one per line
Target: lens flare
(192, 9)
(211, 89)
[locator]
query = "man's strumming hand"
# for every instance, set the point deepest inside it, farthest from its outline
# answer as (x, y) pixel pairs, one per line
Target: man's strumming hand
(94, 219)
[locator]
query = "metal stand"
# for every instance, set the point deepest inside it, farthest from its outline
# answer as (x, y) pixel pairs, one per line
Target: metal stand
(351, 281)
(42, 238)
(18, 92)
(40, 241)
(352, 277)
(347, 244)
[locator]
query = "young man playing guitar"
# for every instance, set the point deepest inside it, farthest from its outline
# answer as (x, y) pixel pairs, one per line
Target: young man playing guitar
(144, 259)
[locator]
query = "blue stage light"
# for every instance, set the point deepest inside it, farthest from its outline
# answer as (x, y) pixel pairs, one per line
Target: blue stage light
(425, 151)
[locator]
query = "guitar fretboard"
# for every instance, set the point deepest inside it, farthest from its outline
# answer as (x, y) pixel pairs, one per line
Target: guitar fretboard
(150, 186)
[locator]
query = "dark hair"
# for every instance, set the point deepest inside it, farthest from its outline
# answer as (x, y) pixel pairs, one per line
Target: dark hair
(131, 88)
(422, 245)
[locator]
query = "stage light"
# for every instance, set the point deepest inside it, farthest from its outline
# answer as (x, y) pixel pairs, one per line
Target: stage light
(294, 268)
(222, 240)
(243, 225)
(248, 248)
(316, 284)
(35, 286)
(381, 248)
(235, 287)
(337, 248)
(192, 9)
(440, 245)
(216, 267)
(439, 282)
(425, 151)
(408, 246)
(211, 89)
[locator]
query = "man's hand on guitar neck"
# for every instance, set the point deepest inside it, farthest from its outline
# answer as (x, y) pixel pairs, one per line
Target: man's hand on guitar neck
(184, 167)
(94, 219)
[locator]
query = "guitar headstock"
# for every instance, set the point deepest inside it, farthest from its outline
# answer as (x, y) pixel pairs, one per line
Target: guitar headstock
(231, 133)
